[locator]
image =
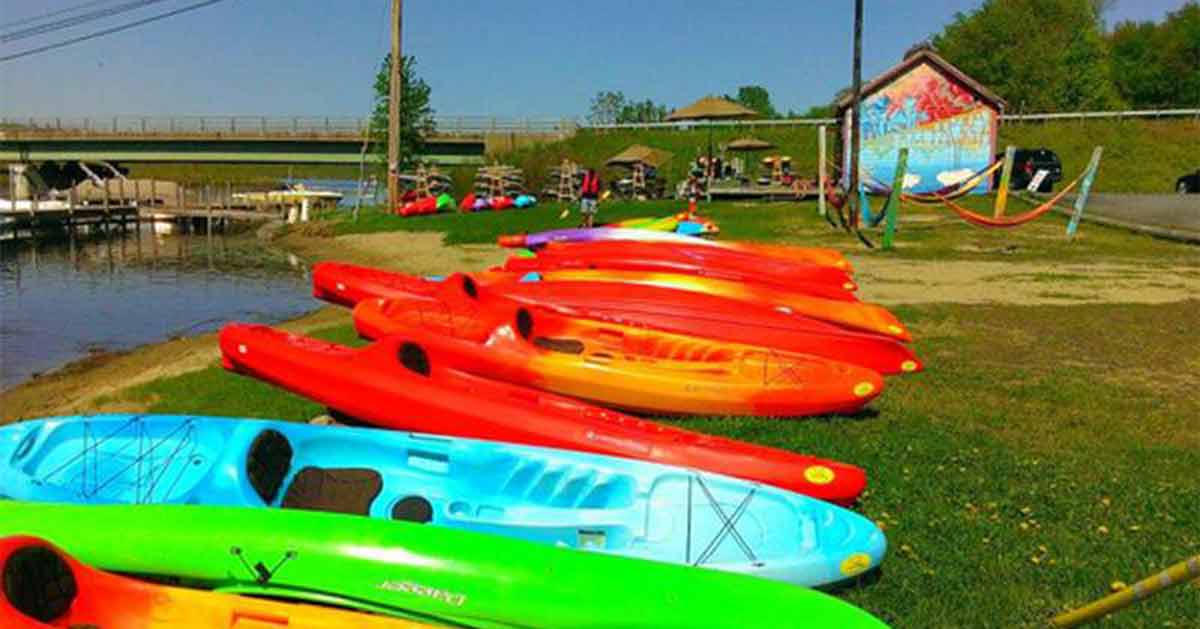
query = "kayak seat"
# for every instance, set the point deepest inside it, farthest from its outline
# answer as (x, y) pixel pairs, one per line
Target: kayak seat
(524, 323)
(39, 583)
(268, 463)
(414, 358)
(413, 509)
(336, 490)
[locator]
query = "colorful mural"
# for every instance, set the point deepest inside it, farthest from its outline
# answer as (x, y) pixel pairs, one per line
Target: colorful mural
(950, 134)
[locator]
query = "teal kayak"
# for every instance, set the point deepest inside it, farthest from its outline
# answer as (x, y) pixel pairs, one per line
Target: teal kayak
(555, 497)
(418, 572)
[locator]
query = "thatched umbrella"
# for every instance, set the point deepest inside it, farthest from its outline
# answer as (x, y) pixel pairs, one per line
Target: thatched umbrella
(749, 144)
(639, 154)
(712, 108)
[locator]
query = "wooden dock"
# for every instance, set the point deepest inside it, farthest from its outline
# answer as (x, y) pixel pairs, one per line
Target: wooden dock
(119, 204)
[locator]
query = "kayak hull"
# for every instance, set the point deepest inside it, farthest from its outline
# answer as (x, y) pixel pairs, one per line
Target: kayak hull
(552, 497)
(617, 365)
(409, 570)
(397, 384)
(33, 567)
(686, 258)
(664, 305)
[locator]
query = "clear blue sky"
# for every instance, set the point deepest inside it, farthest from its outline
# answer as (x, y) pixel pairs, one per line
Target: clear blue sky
(494, 57)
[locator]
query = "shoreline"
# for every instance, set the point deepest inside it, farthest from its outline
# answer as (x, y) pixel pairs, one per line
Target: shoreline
(80, 385)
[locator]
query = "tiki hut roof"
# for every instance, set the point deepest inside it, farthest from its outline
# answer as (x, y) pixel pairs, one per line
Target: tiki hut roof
(639, 154)
(748, 144)
(712, 108)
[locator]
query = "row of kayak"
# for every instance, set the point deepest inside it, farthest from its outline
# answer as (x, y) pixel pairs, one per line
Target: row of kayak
(470, 203)
(524, 498)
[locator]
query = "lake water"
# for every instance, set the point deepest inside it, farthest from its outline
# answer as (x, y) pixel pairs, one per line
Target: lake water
(62, 301)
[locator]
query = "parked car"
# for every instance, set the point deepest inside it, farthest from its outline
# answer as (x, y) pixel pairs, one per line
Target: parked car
(1189, 184)
(1026, 163)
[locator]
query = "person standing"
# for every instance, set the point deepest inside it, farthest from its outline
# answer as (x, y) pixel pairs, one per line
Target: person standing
(589, 195)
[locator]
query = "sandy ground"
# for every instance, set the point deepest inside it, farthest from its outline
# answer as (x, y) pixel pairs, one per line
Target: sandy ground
(891, 282)
(78, 387)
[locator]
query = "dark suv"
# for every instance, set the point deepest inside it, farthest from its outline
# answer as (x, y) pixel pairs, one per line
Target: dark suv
(1026, 163)
(1189, 184)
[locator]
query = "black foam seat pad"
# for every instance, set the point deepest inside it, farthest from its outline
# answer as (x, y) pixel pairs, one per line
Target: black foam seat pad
(336, 490)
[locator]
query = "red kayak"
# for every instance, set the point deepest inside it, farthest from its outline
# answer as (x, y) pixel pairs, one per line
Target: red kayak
(619, 366)
(701, 260)
(656, 307)
(428, 205)
(396, 383)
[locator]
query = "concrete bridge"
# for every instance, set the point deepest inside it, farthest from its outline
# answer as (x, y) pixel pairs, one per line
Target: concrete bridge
(457, 140)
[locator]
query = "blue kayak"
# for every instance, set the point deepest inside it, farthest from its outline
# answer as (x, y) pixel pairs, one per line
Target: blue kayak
(561, 498)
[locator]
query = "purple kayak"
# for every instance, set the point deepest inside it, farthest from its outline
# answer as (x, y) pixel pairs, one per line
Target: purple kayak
(541, 239)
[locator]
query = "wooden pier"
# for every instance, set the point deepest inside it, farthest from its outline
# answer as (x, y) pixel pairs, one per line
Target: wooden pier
(117, 204)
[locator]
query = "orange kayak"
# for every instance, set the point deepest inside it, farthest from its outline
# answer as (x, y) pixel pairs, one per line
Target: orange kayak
(44, 588)
(690, 259)
(620, 365)
(852, 315)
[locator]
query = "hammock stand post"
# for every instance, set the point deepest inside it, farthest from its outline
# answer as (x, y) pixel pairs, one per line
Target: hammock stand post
(892, 207)
(1005, 178)
(821, 176)
(1084, 192)
(1177, 574)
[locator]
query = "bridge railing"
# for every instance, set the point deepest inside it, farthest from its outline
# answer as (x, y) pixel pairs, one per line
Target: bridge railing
(449, 125)
(267, 126)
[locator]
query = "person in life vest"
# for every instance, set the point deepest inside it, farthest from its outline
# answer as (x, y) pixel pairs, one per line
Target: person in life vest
(589, 193)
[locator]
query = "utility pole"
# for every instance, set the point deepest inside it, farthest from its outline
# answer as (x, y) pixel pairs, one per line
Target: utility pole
(395, 94)
(855, 120)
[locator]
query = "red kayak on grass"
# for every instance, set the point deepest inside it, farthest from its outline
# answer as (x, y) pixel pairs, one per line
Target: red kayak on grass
(652, 307)
(397, 383)
(427, 205)
(616, 365)
(700, 260)
(349, 284)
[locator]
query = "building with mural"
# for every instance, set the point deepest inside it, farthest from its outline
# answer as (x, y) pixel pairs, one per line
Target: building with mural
(947, 120)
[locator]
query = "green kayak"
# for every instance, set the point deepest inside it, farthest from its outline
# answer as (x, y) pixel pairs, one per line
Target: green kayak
(409, 570)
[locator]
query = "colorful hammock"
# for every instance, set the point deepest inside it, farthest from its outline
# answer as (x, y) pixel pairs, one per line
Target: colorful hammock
(954, 191)
(1011, 221)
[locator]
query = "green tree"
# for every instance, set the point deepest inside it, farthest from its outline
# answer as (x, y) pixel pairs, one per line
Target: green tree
(1181, 53)
(755, 97)
(1039, 55)
(1158, 65)
(416, 115)
(1138, 66)
(642, 111)
(607, 107)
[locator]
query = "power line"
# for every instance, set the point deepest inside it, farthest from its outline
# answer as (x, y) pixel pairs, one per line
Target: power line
(39, 18)
(98, 14)
(107, 31)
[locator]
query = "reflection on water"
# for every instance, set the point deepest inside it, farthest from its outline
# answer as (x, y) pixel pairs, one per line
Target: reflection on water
(61, 301)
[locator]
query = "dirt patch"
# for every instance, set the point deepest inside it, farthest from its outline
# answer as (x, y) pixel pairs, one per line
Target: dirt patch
(77, 387)
(890, 281)
(410, 252)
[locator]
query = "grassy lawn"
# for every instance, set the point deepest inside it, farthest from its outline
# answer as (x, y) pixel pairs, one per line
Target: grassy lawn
(1139, 156)
(1048, 451)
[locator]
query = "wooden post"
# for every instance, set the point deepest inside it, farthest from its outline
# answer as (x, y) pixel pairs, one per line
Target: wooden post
(106, 207)
(892, 207)
(123, 202)
(395, 94)
(1084, 191)
(822, 176)
(1005, 178)
(856, 107)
